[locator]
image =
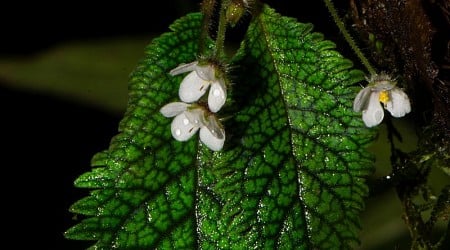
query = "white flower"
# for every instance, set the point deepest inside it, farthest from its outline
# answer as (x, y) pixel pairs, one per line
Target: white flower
(381, 89)
(196, 83)
(189, 119)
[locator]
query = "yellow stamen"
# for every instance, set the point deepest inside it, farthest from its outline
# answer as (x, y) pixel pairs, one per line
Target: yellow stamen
(384, 97)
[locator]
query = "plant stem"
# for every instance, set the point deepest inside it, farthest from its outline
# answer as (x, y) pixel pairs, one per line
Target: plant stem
(347, 36)
(207, 9)
(220, 40)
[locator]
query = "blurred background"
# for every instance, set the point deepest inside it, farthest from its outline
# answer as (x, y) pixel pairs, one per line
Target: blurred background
(64, 70)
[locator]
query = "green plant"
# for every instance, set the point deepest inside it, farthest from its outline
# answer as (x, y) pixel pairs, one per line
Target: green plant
(281, 159)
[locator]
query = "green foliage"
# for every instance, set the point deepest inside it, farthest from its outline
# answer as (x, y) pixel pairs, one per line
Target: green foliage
(291, 174)
(84, 71)
(298, 160)
(146, 182)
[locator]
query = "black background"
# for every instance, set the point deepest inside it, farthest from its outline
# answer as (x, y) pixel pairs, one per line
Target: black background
(47, 141)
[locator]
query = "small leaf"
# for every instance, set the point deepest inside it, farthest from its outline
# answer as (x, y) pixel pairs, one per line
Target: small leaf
(296, 163)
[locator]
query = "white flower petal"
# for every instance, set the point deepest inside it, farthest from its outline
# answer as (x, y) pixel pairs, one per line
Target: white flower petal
(206, 72)
(174, 108)
(374, 113)
(192, 88)
(217, 96)
(361, 99)
(399, 104)
(381, 85)
(212, 142)
(184, 67)
(215, 128)
(182, 128)
(196, 116)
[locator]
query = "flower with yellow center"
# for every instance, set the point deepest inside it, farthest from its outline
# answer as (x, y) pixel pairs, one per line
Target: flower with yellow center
(384, 97)
(381, 89)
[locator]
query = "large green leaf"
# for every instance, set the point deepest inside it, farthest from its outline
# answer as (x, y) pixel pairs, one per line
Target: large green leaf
(296, 163)
(291, 174)
(147, 183)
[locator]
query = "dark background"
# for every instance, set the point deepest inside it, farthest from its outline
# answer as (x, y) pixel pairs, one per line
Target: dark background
(29, 27)
(48, 141)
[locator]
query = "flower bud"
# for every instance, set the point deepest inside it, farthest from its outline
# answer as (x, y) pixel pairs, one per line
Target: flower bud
(235, 11)
(207, 7)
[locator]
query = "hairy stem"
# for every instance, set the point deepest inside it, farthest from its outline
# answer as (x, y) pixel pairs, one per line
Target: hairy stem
(348, 37)
(207, 8)
(220, 40)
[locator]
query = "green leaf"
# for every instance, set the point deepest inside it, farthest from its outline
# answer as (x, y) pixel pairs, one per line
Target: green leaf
(291, 173)
(91, 72)
(147, 184)
(295, 168)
